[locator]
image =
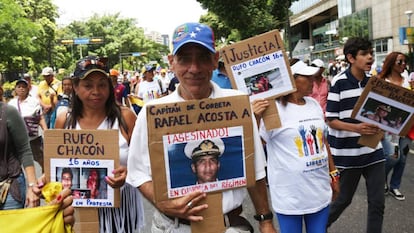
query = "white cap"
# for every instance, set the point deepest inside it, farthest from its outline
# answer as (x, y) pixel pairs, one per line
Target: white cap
(198, 148)
(318, 63)
(48, 71)
(301, 68)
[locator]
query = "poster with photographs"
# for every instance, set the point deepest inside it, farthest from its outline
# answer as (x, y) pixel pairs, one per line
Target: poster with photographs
(201, 145)
(87, 183)
(259, 66)
(389, 106)
(388, 114)
(80, 160)
(207, 160)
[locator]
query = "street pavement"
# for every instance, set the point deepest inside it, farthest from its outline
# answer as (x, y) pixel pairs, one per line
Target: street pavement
(398, 216)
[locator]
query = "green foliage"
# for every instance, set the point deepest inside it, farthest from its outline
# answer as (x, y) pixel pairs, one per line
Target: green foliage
(26, 34)
(30, 38)
(16, 32)
(120, 36)
(248, 18)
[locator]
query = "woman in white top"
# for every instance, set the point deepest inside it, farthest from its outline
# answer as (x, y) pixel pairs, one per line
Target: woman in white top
(94, 107)
(31, 111)
(299, 159)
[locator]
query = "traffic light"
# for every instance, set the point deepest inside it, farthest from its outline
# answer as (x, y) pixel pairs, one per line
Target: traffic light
(96, 41)
(66, 41)
(82, 41)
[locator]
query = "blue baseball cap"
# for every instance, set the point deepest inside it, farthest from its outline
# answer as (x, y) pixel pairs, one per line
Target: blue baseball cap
(148, 68)
(193, 33)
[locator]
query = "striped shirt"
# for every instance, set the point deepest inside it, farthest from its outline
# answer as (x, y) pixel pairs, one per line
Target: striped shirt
(347, 153)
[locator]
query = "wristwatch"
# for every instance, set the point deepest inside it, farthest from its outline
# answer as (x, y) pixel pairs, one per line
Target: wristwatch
(263, 217)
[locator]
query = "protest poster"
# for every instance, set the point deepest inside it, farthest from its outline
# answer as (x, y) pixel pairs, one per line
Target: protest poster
(181, 130)
(259, 67)
(80, 159)
(177, 129)
(387, 105)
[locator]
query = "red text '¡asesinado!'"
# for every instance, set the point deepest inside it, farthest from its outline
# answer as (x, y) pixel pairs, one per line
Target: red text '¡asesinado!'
(197, 135)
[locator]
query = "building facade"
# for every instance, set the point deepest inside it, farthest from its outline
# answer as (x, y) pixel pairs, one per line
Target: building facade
(319, 28)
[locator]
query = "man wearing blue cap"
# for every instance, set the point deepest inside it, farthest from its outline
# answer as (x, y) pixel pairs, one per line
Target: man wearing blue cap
(193, 60)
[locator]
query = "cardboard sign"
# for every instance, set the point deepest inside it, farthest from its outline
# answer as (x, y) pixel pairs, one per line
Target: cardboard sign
(184, 133)
(395, 103)
(176, 130)
(259, 67)
(83, 158)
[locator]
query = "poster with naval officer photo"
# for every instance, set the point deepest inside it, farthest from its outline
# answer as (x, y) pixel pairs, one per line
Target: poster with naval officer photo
(200, 145)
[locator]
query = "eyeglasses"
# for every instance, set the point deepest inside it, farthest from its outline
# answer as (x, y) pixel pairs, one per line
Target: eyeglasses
(188, 60)
(91, 63)
(400, 62)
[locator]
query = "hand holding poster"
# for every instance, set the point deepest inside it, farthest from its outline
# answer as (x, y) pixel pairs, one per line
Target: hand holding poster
(387, 105)
(80, 160)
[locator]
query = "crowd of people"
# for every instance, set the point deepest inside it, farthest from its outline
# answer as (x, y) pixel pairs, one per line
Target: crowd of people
(313, 160)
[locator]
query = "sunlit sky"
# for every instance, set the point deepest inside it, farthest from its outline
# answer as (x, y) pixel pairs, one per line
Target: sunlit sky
(153, 15)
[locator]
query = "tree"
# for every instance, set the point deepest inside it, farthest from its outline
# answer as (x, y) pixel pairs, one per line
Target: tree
(249, 18)
(120, 35)
(16, 32)
(27, 35)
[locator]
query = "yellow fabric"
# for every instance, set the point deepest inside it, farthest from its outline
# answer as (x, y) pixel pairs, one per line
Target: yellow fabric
(45, 219)
(136, 100)
(51, 190)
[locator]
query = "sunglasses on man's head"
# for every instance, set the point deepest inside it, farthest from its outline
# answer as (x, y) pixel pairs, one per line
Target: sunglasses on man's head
(400, 62)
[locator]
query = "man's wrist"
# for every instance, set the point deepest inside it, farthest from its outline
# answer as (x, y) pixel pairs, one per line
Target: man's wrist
(263, 217)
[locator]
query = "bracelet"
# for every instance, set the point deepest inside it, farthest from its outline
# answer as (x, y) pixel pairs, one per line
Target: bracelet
(31, 185)
(335, 174)
(263, 217)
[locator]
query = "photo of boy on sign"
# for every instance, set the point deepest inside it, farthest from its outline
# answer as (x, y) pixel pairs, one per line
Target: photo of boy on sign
(69, 177)
(215, 161)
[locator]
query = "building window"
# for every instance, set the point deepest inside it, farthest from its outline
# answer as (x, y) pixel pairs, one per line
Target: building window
(381, 45)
